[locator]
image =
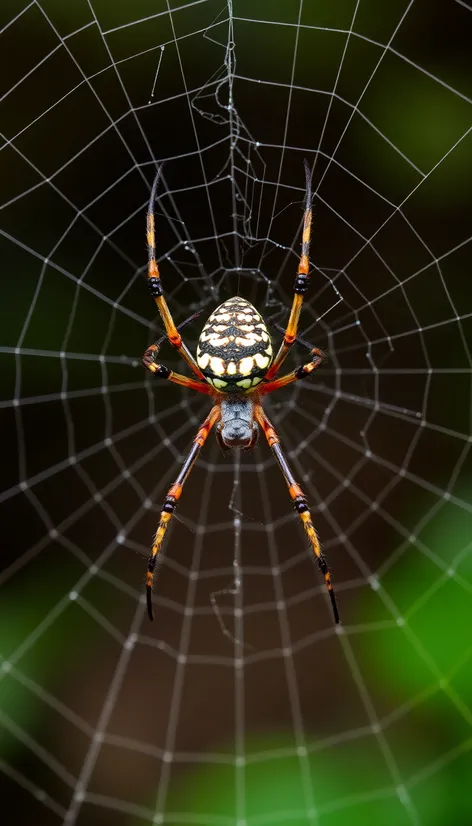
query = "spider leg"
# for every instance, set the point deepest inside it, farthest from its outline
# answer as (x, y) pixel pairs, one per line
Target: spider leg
(300, 286)
(156, 291)
(300, 372)
(160, 371)
(173, 497)
(298, 339)
(299, 501)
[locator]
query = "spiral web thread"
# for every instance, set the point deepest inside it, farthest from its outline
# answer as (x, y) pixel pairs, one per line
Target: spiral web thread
(384, 373)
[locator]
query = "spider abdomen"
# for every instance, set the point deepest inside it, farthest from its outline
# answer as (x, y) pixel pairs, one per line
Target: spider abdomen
(234, 350)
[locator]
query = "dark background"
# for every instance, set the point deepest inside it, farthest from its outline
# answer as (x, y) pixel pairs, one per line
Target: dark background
(104, 715)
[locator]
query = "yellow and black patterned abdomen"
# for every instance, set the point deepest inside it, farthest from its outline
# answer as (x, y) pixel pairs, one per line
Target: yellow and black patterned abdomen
(234, 350)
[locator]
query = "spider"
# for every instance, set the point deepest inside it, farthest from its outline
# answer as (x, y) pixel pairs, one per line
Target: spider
(235, 366)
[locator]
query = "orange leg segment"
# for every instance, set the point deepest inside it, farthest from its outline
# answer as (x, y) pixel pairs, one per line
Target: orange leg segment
(162, 372)
(173, 497)
(299, 502)
(156, 291)
(299, 373)
(300, 286)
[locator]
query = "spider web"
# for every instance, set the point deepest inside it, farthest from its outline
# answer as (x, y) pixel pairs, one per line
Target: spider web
(243, 703)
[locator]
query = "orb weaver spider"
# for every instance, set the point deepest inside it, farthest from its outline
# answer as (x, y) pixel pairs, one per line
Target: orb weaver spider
(234, 365)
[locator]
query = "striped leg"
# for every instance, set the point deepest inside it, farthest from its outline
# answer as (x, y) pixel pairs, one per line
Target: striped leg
(299, 502)
(300, 286)
(299, 373)
(160, 371)
(173, 497)
(156, 291)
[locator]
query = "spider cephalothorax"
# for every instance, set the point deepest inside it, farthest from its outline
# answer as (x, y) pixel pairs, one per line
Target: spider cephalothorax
(237, 427)
(235, 365)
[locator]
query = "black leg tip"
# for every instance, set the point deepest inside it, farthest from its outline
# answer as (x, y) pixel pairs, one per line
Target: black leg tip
(335, 608)
(149, 603)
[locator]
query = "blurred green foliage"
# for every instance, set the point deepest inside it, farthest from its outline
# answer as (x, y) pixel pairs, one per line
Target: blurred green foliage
(350, 784)
(39, 657)
(433, 649)
(423, 121)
